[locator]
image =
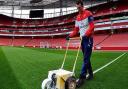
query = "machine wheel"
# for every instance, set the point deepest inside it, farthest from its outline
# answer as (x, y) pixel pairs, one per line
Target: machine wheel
(46, 84)
(70, 83)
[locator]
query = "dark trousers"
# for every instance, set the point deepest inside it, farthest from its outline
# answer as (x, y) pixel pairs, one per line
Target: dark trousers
(86, 45)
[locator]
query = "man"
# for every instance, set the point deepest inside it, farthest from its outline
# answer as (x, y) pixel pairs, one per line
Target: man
(85, 26)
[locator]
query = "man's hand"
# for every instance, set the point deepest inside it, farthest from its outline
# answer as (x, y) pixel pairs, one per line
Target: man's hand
(67, 38)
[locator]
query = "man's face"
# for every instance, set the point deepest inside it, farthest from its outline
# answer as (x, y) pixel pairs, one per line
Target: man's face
(79, 7)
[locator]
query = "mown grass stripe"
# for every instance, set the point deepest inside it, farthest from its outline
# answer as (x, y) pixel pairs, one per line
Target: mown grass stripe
(7, 76)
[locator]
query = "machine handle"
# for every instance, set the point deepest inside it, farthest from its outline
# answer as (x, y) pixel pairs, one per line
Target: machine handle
(65, 55)
(77, 55)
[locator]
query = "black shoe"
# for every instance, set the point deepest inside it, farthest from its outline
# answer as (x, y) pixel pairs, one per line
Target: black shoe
(79, 82)
(90, 77)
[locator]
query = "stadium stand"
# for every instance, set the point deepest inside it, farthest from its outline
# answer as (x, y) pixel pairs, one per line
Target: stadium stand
(115, 41)
(101, 42)
(5, 41)
(19, 41)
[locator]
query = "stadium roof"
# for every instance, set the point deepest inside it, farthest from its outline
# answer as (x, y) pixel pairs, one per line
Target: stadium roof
(40, 4)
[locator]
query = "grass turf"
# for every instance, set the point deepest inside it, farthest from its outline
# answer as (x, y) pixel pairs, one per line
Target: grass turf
(25, 68)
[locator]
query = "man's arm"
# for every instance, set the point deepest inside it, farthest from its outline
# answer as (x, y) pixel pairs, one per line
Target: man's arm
(91, 26)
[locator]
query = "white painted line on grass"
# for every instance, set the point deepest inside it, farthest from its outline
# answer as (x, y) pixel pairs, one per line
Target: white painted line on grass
(109, 63)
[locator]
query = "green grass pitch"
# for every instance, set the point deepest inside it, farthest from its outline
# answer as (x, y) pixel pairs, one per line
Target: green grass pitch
(25, 68)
